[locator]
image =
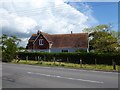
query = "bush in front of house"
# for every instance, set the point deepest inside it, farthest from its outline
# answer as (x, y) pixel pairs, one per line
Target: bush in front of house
(87, 58)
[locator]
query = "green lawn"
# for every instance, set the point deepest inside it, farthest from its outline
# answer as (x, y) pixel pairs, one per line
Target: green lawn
(69, 65)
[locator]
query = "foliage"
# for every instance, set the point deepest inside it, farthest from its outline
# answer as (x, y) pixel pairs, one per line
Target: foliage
(103, 40)
(9, 47)
(0, 53)
(98, 28)
(115, 34)
(87, 58)
(21, 49)
(79, 50)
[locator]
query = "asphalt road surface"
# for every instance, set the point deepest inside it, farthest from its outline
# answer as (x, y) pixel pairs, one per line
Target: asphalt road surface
(0, 75)
(29, 76)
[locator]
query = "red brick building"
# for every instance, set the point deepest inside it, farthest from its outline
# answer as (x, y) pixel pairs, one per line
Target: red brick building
(44, 42)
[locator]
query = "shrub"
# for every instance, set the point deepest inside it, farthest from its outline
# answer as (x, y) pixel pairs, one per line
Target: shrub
(87, 58)
(62, 64)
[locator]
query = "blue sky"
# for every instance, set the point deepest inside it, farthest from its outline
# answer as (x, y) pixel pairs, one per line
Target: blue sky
(104, 12)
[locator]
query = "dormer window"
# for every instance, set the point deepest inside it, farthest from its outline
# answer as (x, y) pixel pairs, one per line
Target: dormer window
(41, 42)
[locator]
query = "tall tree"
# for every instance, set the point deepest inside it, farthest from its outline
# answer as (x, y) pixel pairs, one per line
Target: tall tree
(98, 28)
(9, 47)
(102, 40)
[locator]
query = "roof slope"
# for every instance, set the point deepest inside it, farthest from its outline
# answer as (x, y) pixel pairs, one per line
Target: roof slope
(65, 40)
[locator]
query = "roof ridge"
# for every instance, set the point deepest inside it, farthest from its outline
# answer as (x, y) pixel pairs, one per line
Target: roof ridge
(69, 34)
(34, 34)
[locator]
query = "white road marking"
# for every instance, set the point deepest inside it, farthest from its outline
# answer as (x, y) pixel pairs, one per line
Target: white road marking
(55, 76)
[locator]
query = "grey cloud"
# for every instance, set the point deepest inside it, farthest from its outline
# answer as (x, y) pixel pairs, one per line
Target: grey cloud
(13, 32)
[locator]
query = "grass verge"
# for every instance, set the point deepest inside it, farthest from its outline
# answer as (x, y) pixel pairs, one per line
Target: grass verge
(69, 65)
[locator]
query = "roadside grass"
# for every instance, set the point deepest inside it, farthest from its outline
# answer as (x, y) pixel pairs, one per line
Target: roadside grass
(68, 65)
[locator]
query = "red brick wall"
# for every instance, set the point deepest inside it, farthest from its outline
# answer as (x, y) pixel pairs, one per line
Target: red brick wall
(37, 46)
(30, 45)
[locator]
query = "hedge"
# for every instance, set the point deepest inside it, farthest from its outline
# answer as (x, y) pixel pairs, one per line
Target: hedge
(87, 58)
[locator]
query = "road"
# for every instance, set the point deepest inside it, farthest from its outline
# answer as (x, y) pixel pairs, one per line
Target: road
(0, 75)
(29, 76)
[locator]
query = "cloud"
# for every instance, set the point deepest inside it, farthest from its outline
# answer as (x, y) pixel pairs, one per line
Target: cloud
(91, 0)
(24, 17)
(86, 10)
(14, 23)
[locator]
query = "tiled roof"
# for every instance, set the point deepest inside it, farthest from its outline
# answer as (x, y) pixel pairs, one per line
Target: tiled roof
(33, 37)
(65, 40)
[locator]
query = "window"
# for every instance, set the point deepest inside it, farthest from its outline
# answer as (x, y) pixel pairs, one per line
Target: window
(64, 50)
(41, 42)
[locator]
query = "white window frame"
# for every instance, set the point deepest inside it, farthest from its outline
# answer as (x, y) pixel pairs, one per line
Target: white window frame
(41, 42)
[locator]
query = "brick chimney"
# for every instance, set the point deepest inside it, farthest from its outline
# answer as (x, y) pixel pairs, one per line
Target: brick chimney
(38, 32)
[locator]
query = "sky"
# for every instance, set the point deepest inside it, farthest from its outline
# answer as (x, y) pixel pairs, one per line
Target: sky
(25, 17)
(104, 12)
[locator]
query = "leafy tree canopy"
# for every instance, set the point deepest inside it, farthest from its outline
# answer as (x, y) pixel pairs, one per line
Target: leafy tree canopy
(102, 39)
(9, 47)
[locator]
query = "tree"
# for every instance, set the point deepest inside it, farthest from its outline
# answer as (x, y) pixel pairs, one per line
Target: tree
(0, 53)
(9, 47)
(98, 28)
(102, 40)
(21, 49)
(116, 34)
